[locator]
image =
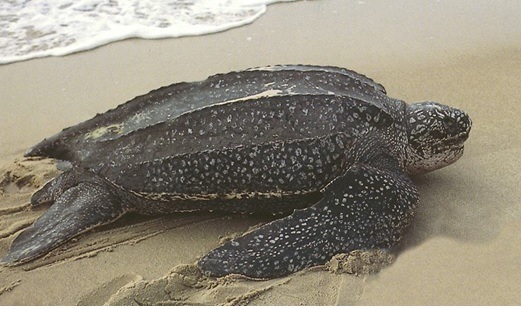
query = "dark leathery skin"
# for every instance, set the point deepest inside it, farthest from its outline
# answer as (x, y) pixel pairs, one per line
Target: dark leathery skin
(323, 141)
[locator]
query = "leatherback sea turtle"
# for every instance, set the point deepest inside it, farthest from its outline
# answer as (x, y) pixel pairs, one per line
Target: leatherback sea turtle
(324, 142)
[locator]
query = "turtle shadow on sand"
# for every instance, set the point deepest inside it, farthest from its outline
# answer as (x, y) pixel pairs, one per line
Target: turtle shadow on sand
(449, 207)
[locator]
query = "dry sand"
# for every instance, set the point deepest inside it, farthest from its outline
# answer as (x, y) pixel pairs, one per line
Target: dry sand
(464, 246)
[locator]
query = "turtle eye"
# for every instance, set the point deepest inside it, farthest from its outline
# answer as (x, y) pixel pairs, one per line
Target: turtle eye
(438, 134)
(456, 126)
(453, 128)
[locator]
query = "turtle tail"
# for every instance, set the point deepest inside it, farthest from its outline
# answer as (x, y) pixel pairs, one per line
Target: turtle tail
(51, 148)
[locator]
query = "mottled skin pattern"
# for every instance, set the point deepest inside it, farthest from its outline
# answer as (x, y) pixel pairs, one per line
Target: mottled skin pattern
(249, 122)
(325, 142)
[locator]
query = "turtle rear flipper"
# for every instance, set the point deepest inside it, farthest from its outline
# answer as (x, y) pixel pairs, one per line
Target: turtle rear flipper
(53, 189)
(77, 208)
(363, 209)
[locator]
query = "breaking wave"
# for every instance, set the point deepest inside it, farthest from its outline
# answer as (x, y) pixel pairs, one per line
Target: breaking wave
(40, 28)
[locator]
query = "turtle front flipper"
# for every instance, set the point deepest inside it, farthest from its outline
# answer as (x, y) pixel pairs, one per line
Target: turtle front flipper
(82, 200)
(365, 208)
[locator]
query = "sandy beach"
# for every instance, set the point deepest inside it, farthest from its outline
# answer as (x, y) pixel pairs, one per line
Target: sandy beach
(463, 247)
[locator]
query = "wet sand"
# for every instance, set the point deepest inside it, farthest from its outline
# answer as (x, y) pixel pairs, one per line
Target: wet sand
(463, 246)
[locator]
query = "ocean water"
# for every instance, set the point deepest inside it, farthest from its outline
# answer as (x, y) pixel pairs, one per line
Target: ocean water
(40, 28)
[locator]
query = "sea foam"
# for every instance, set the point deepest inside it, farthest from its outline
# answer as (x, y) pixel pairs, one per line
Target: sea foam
(40, 28)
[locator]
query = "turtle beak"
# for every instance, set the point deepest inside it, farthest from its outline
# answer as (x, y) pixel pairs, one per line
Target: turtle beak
(457, 129)
(464, 124)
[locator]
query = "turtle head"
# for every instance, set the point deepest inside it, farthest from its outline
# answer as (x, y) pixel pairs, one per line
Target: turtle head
(436, 135)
